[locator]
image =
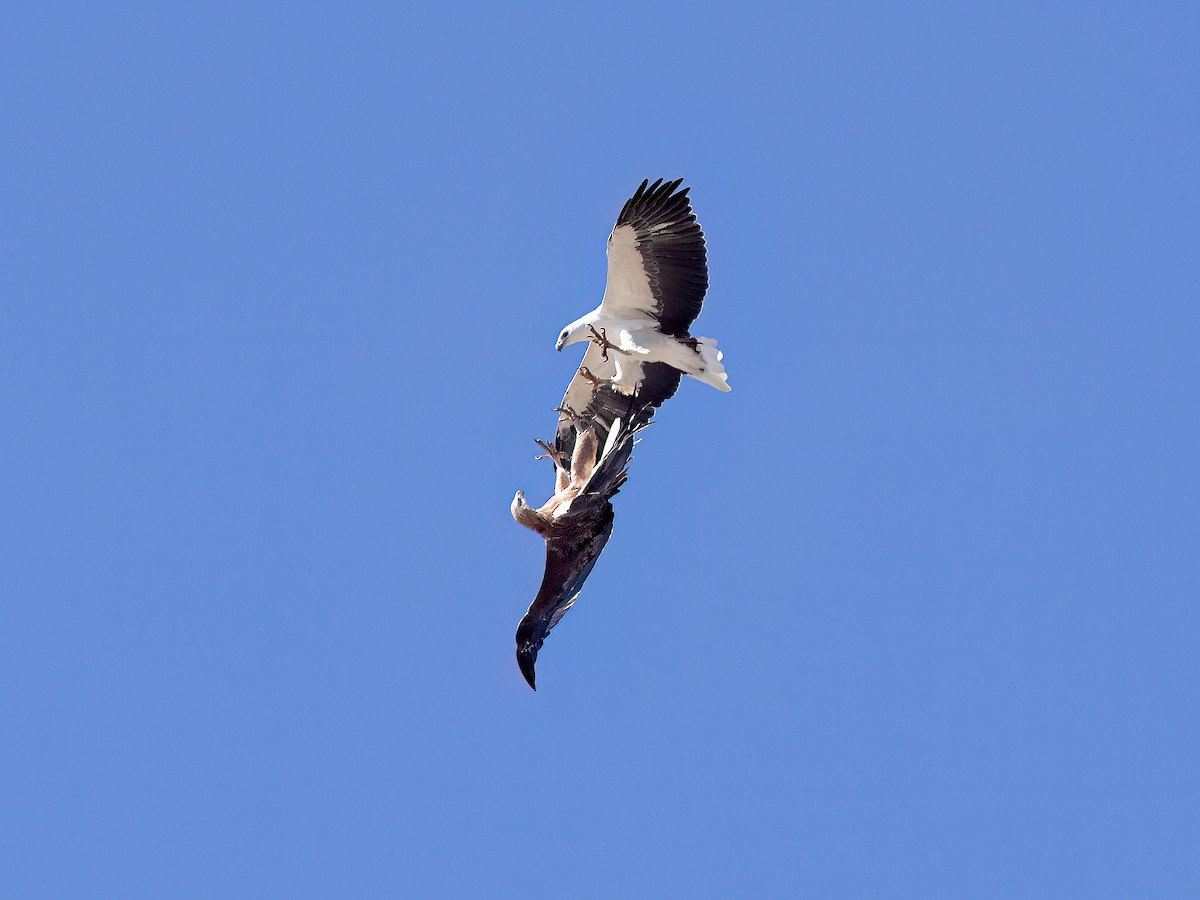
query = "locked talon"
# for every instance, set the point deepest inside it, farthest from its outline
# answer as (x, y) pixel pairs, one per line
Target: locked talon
(576, 419)
(586, 374)
(556, 456)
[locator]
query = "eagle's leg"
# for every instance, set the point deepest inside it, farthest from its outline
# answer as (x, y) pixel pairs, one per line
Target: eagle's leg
(618, 382)
(600, 339)
(552, 454)
(583, 461)
(562, 475)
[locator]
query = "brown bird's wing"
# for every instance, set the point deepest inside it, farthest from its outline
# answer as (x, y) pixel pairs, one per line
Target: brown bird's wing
(573, 545)
(600, 406)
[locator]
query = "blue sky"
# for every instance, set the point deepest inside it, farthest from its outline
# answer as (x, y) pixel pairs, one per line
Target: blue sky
(910, 613)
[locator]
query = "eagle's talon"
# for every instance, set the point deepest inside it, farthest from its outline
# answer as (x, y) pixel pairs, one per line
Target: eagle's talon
(575, 418)
(556, 456)
(600, 339)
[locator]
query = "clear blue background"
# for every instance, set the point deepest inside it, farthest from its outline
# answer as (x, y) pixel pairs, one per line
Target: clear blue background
(911, 613)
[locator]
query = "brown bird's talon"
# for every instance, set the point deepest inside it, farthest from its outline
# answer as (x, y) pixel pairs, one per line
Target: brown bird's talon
(576, 419)
(557, 456)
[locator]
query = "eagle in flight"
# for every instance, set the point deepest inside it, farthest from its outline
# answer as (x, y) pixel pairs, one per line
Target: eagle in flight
(639, 348)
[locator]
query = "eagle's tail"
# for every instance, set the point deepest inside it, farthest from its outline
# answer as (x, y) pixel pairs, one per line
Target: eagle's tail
(711, 372)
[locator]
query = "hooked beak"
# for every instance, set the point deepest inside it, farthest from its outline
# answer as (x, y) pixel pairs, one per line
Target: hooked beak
(558, 345)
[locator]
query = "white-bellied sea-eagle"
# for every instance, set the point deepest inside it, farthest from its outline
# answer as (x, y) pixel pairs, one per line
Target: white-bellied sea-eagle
(639, 349)
(657, 276)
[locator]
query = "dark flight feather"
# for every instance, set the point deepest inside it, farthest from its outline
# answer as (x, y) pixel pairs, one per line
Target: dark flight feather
(671, 245)
(573, 545)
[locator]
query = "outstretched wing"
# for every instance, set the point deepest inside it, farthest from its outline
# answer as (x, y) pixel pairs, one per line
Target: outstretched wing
(657, 266)
(573, 545)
